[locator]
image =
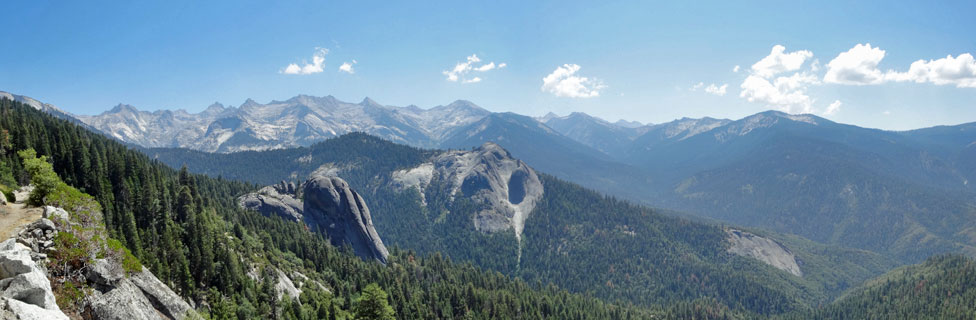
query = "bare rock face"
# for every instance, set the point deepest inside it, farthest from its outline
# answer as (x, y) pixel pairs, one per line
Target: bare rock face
(329, 204)
(279, 199)
(763, 249)
(488, 175)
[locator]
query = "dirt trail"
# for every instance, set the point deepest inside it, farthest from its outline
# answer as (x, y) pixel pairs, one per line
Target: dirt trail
(14, 216)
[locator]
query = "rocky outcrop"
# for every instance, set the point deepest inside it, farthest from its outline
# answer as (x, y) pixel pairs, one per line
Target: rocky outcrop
(140, 296)
(25, 292)
(330, 205)
(488, 175)
(763, 249)
(279, 199)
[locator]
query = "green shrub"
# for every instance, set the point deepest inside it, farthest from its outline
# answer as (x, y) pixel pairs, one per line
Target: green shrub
(130, 263)
(42, 174)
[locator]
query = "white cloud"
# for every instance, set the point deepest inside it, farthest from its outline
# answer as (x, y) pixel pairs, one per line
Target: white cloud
(857, 66)
(563, 82)
(785, 93)
(959, 71)
(886, 112)
(318, 59)
(462, 70)
(716, 90)
(788, 92)
(778, 61)
(735, 69)
(347, 67)
(697, 86)
(833, 108)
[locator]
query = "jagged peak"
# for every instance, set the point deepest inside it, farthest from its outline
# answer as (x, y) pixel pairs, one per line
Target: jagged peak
(122, 107)
(369, 102)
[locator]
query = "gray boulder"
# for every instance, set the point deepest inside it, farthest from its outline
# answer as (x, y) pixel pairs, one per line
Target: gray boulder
(105, 273)
(24, 287)
(54, 213)
(13, 309)
(124, 302)
(331, 204)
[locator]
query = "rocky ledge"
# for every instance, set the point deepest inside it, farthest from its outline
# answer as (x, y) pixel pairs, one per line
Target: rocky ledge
(25, 289)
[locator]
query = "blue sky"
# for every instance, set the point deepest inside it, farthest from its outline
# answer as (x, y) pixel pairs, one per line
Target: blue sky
(640, 60)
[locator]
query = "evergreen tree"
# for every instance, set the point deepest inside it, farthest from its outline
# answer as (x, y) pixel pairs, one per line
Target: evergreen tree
(373, 304)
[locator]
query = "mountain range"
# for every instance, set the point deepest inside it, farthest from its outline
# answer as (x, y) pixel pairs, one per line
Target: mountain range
(907, 194)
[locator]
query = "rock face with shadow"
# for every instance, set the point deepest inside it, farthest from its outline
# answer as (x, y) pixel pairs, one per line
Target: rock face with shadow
(325, 203)
(507, 187)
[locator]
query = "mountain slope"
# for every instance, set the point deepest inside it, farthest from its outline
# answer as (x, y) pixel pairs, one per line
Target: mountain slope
(834, 183)
(565, 237)
(943, 287)
(236, 263)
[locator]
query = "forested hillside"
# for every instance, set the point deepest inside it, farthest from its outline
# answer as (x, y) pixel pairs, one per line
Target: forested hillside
(943, 287)
(188, 230)
(654, 258)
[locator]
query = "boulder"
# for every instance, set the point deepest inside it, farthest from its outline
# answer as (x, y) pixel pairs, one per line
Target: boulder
(13, 309)
(160, 296)
(38, 227)
(331, 204)
(54, 213)
(23, 193)
(105, 273)
(21, 279)
(124, 302)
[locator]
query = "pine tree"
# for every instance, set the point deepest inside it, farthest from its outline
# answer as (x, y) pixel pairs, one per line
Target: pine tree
(373, 304)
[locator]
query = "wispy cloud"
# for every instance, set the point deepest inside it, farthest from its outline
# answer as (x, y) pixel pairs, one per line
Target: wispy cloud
(711, 88)
(318, 59)
(462, 70)
(563, 82)
(833, 108)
